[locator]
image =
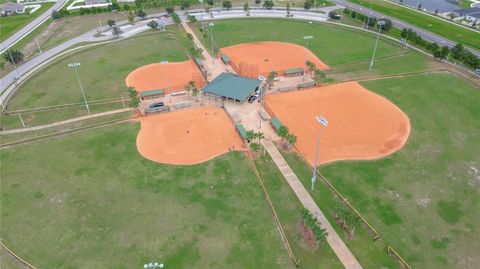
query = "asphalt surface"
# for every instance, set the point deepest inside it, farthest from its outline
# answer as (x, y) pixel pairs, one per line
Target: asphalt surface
(17, 36)
(400, 24)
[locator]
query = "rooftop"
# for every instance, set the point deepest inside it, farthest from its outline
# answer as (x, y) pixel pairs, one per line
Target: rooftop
(232, 86)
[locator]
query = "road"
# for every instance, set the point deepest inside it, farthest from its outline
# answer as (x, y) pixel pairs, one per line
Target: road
(17, 36)
(400, 24)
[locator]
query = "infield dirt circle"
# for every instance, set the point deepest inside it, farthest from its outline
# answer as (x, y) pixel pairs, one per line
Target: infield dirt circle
(167, 76)
(361, 124)
(187, 137)
(272, 56)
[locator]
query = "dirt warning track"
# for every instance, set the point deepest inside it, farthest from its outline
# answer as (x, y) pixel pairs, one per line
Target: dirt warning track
(362, 125)
(271, 56)
(187, 137)
(169, 76)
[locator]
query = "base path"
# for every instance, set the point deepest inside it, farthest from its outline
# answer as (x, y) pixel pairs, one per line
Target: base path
(338, 246)
(362, 125)
(187, 137)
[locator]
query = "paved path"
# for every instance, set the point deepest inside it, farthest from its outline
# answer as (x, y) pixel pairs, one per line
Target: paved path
(40, 127)
(17, 36)
(341, 250)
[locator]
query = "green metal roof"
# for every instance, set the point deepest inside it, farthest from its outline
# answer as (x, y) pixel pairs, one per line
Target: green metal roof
(232, 86)
(293, 71)
(198, 61)
(241, 131)
(276, 123)
(225, 58)
(151, 92)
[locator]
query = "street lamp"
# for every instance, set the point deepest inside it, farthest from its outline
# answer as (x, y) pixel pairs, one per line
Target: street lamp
(380, 24)
(211, 35)
(323, 123)
(74, 66)
(201, 15)
(164, 62)
(307, 38)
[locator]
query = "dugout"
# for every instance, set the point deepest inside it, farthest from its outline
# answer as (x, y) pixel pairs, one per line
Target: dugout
(151, 94)
(232, 87)
(294, 72)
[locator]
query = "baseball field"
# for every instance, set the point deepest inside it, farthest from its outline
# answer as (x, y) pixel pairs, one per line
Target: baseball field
(174, 188)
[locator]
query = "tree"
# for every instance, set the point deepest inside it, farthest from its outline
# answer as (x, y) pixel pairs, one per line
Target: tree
(13, 56)
(258, 2)
(350, 218)
(131, 17)
(115, 6)
(227, 5)
(134, 99)
(271, 77)
(170, 10)
(111, 22)
(55, 15)
(404, 33)
(191, 83)
(283, 131)
(268, 4)
(436, 11)
(419, 6)
(246, 8)
(332, 15)
(318, 75)
(192, 19)
(153, 24)
(354, 14)
(190, 36)
(387, 24)
(210, 2)
(255, 146)
(260, 136)
(250, 135)
(176, 18)
(139, 3)
(126, 7)
(195, 93)
(307, 5)
(141, 13)
(288, 9)
(187, 88)
(185, 5)
(444, 52)
(291, 139)
(116, 31)
(310, 66)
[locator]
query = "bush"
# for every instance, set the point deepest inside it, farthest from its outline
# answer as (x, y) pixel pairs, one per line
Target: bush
(307, 5)
(258, 1)
(13, 56)
(185, 5)
(227, 4)
(126, 7)
(170, 10)
(268, 4)
(210, 2)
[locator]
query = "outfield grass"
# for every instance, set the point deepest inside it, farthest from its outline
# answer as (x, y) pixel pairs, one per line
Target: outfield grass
(424, 199)
(332, 44)
(103, 71)
(438, 26)
(11, 24)
(100, 204)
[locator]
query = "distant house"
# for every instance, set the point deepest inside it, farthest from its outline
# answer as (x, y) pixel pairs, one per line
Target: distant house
(474, 17)
(10, 8)
(95, 2)
(468, 13)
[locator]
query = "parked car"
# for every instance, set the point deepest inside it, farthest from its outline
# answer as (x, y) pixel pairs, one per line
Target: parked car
(251, 99)
(156, 104)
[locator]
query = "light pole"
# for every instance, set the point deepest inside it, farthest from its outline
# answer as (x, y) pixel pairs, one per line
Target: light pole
(201, 15)
(211, 35)
(308, 38)
(379, 24)
(74, 66)
(14, 65)
(164, 63)
(323, 123)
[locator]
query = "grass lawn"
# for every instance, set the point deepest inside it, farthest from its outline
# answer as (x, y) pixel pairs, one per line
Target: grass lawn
(101, 205)
(11, 24)
(332, 44)
(103, 71)
(442, 28)
(424, 199)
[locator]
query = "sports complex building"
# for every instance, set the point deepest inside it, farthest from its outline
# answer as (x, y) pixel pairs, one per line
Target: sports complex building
(232, 87)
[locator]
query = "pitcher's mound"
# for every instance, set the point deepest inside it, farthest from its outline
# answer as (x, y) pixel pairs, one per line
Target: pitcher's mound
(361, 124)
(187, 137)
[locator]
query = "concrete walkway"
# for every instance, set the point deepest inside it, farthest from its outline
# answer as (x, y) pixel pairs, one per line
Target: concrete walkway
(341, 250)
(58, 123)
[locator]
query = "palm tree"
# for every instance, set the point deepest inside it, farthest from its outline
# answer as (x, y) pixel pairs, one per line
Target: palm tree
(282, 131)
(310, 66)
(260, 136)
(271, 76)
(251, 135)
(291, 139)
(187, 89)
(318, 76)
(195, 93)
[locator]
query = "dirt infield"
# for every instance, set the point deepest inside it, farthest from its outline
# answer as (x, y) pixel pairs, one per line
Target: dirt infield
(362, 125)
(171, 76)
(271, 56)
(187, 137)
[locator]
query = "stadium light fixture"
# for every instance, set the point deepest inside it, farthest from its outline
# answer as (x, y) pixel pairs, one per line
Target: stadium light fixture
(74, 66)
(323, 123)
(211, 35)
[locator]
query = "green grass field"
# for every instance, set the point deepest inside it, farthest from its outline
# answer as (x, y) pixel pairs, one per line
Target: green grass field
(100, 204)
(435, 25)
(11, 24)
(422, 200)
